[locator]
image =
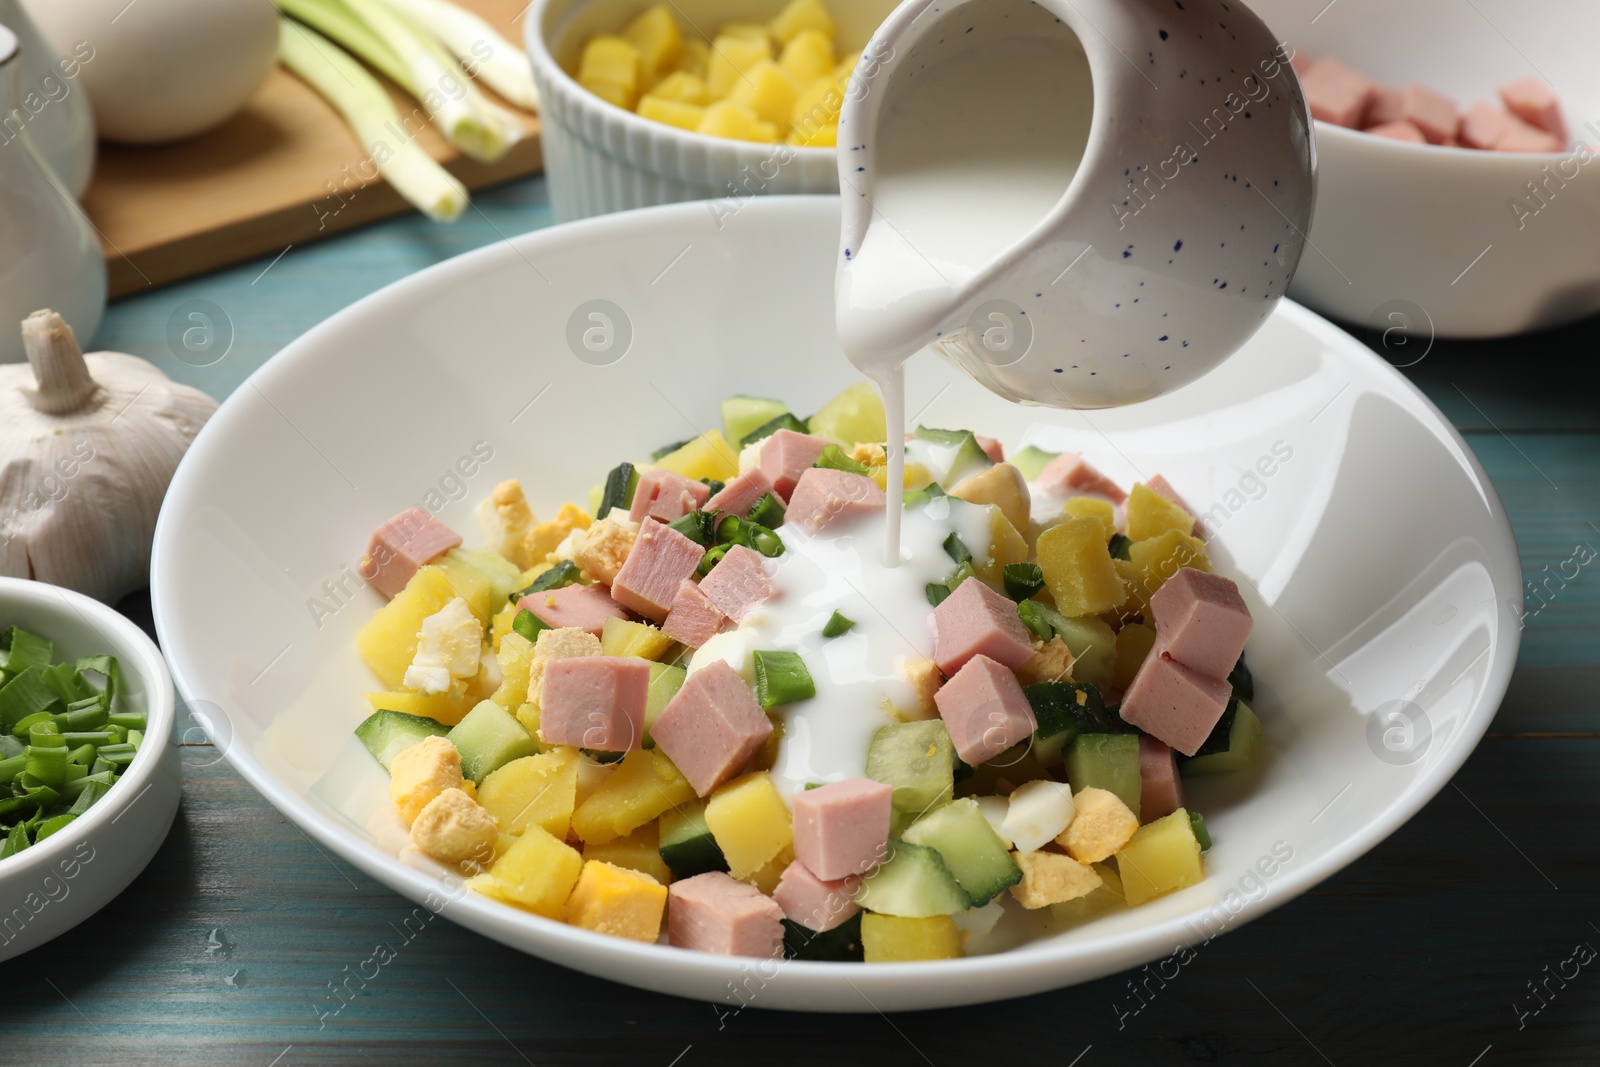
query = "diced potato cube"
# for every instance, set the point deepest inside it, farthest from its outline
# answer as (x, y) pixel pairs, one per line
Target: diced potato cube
(817, 106)
(737, 122)
(448, 707)
(638, 851)
(471, 584)
(808, 56)
(1150, 514)
(684, 116)
(533, 791)
(1137, 602)
(680, 87)
(750, 822)
(1160, 557)
(1103, 898)
(798, 16)
(1051, 878)
(388, 640)
(695, 57)
(1162, 856)
(1092, 507)
(538, 872)
(1100, 826)
(766, 90)
(1134, 642)
(619, 637)
(749, 31)
(515, 658)
(613, 69)
(730, 58)
(617, 901)
(767, 878)
(639, 789)
(1077, 568)
(1006, 546)
(1002, 485)
(893, 939)
(655, 33)
(707, 456)
(500, 624)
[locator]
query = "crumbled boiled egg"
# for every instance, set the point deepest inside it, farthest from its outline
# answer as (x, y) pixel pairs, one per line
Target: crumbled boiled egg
(449, 646)
(1036, 812)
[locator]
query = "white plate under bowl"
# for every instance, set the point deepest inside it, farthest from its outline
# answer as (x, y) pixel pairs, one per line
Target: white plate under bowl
(1372, 549)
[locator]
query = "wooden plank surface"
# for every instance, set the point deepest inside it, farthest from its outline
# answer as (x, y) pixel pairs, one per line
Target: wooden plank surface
(285, 170)
(222, 951)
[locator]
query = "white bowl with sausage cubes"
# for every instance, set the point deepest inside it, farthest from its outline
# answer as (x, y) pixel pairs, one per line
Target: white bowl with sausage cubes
(1377, 660)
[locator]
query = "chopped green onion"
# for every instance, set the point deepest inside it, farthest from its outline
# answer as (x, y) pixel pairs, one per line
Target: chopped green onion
(618, 493)
(833, 458)
(46, 765)
(562, 574)
(837, 625)
(712, 557)
(51, 825)
(20, 650)
(1033, 617)
(1197, 823)
(482, 51)
(782, 678)
(1022, 580)
(1119, 546)
(128, 720)
(28, 722)
(936, 593)
(367, 108)
(733, 530)
(528, 624)
(698, 526)
(82, 755)
(713, 487)
(12, 766)
(767, 511)
(26, 694)
(912, 498)
(959, 575)
(786, 421)
(957, 550)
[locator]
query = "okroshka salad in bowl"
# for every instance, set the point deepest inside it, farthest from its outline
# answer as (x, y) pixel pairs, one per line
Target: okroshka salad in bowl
(694, 668)
(699, 708)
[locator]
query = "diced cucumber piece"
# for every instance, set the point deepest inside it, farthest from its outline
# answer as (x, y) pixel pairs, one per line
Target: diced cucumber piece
(1243, 682)
(969, 847)
(488, 738)
(1197, 823)
(501, 573)
(1094, 649)
(741, 414)
(913, 883)
(1118, 547)
(841, 944)
(1109, 762)
(855, 415)
(618, 491)
(949, 455)
(917, 761)
(1234, 744)
(1064, 710)
(686, 844)
(388, 733)
(1032, 461)
(785, 421)
(665, 681)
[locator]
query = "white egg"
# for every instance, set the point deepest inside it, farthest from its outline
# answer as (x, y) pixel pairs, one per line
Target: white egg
(162, 70)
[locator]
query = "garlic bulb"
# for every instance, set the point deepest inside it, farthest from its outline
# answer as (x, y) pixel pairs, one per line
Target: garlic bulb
(88, 446)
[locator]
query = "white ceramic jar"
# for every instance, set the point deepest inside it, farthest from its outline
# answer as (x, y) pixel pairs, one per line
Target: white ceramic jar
(49, 256)
(49, 100)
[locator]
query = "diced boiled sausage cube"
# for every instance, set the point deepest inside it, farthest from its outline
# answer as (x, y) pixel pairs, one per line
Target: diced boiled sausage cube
(738, 582)
(693, 619)
(1435, 114)
(1173, 703)
(1337, 93)
(824, 496)
(711, 727)
(1163, 488)
(1398, 131)
(813, 902)
(712, 912)
(402, 546)
(1201, 621)
(661, 558)
(842, 828)
(740, 495)
(786, 455)
(1069, 475)
(1482, 126)
(584, 607)
(1519, 136)
(595, 702)
(1160, 790)
(666, 496)
(984, 709)
(975, 620)
(1535, 103)
(991, 448)
(1387, 106)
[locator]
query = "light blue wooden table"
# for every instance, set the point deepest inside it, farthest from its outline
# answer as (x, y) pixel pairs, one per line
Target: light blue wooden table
(1427, 951)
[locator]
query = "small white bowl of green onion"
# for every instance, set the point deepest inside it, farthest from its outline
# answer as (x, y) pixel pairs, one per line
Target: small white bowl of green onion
(89, 777)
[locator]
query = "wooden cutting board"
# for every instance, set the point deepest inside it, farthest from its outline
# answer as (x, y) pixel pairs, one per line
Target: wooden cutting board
(284, 171)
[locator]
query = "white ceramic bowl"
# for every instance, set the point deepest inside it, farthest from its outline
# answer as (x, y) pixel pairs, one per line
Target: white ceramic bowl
(601, 158)
(49, 888)
(1378, 584)
(1430, 234)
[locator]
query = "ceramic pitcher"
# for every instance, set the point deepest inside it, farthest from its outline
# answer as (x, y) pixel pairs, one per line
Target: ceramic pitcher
(49, 100)
(1168, 247)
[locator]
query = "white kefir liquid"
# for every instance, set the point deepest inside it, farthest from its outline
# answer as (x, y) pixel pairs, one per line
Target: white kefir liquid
(977, 140)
